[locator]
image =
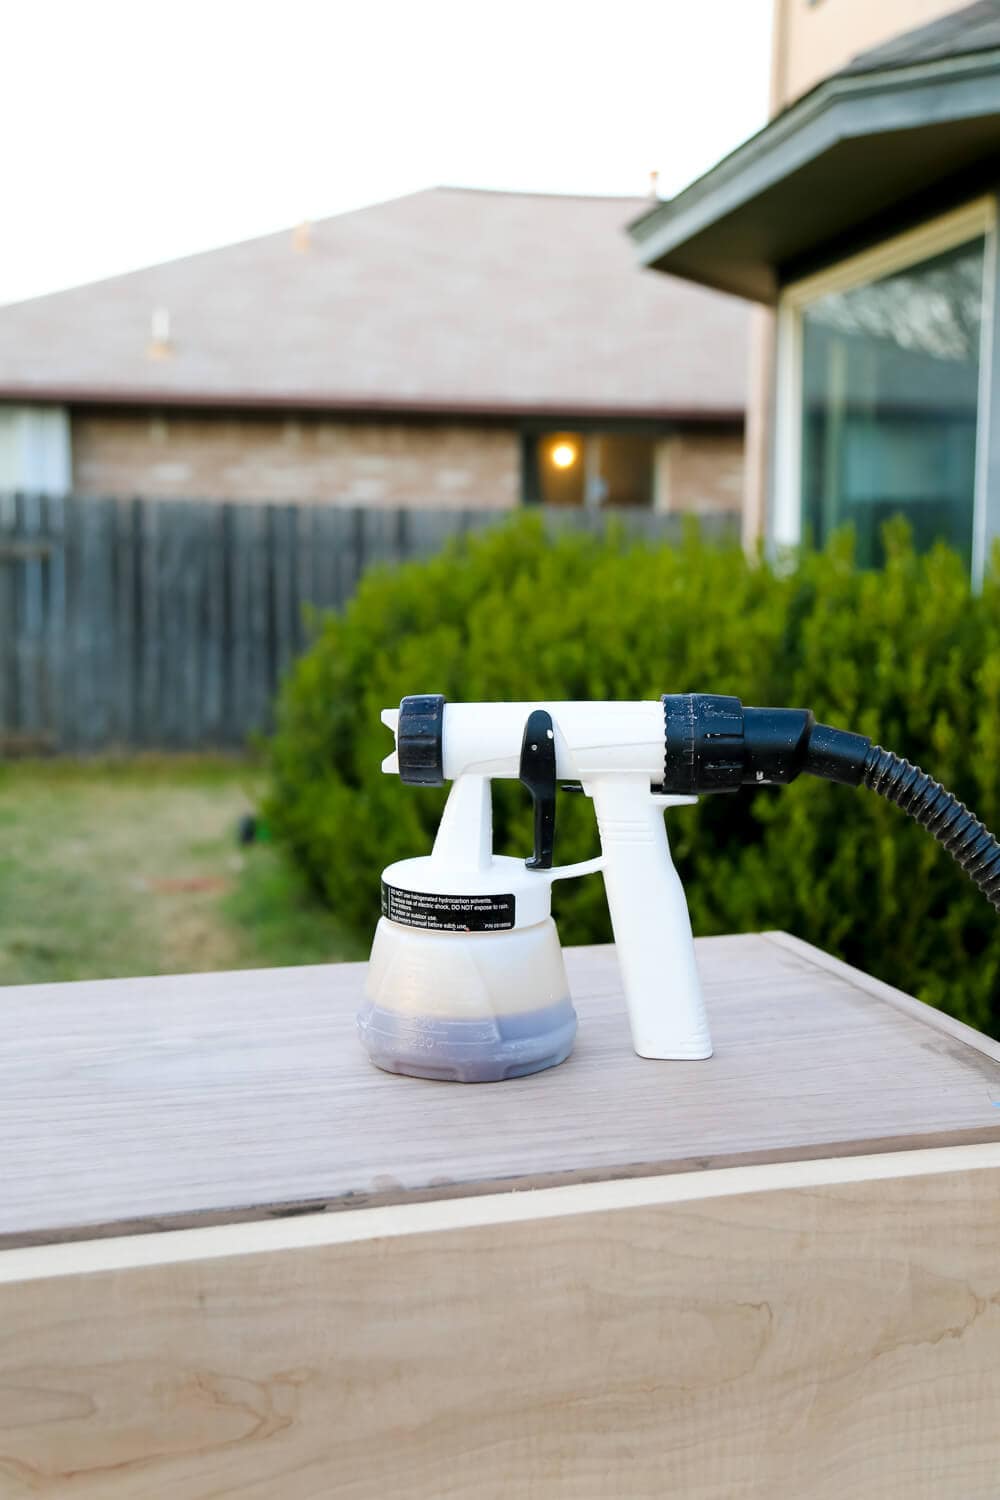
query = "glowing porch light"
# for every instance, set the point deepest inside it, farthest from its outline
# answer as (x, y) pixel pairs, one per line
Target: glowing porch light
(564, 455)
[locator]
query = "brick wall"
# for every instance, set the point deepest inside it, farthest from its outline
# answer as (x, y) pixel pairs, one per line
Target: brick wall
(439, 464)
(267, 458)
(700, 470)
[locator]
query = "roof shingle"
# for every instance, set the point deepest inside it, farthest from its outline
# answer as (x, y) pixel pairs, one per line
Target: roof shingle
(974, 28)
(446, 300)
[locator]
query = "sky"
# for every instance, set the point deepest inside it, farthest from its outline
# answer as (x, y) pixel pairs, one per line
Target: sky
(140, 130)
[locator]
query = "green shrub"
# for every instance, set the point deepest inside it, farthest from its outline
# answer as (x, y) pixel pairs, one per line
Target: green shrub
(907, 655)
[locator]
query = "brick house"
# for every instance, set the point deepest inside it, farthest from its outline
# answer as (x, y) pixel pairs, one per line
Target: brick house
(449, 348)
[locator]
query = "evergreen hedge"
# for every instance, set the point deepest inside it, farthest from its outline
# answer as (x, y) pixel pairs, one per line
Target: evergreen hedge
(907, 654)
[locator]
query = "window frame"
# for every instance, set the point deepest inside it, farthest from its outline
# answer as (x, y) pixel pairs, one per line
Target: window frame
(976, 219)
(590, 434)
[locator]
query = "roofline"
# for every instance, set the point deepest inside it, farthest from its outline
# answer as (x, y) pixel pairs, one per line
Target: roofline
(457, 187)
(361, 405)
(285, 230)
(789, 141)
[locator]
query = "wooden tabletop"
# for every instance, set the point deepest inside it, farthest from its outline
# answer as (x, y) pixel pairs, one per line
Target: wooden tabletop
(139, 1104)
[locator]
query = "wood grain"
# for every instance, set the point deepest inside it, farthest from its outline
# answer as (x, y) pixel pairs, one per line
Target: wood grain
(135, 1104)
(791, 1332)
(888, 994)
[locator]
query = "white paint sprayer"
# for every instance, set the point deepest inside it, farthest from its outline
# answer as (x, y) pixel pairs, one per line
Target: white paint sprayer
(466, 980)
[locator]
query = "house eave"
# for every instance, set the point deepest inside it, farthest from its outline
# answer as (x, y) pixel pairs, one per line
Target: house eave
(363, 406)
(853, 148)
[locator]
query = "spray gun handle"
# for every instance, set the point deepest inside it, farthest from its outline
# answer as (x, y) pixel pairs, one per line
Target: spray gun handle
(650, 918)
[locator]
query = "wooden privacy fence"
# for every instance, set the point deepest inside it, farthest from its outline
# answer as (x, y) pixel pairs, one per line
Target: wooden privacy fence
(158, 623)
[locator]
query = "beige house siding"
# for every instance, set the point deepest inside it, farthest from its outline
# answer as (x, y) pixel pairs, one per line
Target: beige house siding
(267, 458)
(760, 424)
(813, 38)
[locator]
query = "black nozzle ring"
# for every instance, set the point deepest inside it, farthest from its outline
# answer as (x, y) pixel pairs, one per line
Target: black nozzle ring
(420, 740)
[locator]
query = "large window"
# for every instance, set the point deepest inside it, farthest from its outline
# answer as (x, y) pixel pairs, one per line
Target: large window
(882, 403)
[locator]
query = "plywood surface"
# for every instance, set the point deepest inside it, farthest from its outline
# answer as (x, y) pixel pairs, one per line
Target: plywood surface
(800, 1331)
(139, 1104)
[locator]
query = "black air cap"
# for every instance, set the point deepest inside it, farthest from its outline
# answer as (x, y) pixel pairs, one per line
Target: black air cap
(419, 740)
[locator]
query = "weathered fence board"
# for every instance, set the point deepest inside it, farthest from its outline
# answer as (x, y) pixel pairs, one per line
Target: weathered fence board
(169, 623)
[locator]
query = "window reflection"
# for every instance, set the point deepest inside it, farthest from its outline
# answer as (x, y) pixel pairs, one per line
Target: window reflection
(889, 390)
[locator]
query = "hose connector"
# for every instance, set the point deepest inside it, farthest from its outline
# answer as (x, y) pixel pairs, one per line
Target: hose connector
(714, 744)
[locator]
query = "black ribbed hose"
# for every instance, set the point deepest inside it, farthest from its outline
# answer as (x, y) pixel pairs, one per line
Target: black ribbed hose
(714, 744)
(969, 842)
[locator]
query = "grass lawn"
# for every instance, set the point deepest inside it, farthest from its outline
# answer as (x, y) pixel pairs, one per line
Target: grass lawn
(132, 867)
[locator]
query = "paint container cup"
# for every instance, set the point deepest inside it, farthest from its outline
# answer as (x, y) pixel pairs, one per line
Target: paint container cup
(466, 1006)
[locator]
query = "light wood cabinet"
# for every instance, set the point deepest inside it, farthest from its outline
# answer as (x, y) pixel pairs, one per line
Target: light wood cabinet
(235, 1260)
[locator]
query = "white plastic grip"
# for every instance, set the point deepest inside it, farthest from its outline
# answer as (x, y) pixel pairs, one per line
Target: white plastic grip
(651, 924)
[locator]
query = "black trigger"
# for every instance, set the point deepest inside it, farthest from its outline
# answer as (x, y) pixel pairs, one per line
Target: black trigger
(538, 775)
